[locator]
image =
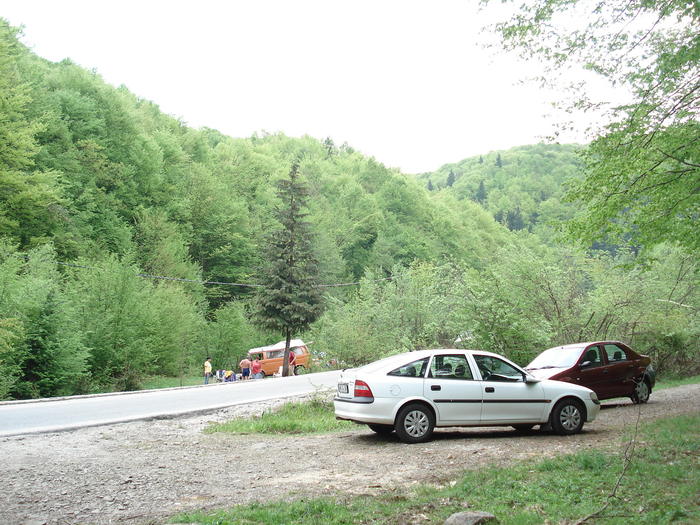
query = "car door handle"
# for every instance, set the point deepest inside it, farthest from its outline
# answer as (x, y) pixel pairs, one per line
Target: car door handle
(435, 387)
(490, 389)
(606, 371)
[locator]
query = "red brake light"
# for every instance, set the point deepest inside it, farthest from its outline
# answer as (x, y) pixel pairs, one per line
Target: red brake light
(362, 389)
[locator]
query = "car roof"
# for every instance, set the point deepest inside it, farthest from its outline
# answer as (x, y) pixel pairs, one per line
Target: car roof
(407, 357)
(277, 346)
(589, 343)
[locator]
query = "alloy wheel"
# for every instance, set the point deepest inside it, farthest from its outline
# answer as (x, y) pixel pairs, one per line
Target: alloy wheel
(416, 423)
(570, 417)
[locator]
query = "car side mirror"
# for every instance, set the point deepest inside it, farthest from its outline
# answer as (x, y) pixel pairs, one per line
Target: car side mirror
(530, 379)
(585, 364)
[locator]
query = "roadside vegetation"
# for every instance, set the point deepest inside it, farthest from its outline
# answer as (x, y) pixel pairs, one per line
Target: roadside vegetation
(671, 382)
(155, 382)
(554, 490)
(307, 417)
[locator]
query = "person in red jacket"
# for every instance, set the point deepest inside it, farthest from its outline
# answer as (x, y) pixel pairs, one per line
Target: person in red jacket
(256, 369)
(292, 361)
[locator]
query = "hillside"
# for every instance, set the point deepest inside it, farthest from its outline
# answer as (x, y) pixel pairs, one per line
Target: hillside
(129, 244)
(522, 187)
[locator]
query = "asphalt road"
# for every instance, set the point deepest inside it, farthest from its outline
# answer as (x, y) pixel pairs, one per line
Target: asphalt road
(51, 415)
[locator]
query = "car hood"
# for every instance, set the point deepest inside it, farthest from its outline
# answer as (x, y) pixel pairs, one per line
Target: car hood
(544, 373)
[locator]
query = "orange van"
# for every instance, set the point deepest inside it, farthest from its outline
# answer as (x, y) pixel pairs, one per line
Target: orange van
(272, 357)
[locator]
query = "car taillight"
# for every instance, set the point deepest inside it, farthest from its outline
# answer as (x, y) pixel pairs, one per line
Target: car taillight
(362, 389)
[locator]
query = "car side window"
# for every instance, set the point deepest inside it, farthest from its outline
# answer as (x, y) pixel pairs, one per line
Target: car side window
(452, 366)
(412, 369)
(275, 353)
(494, 369)
(615, 354)
(592, 357)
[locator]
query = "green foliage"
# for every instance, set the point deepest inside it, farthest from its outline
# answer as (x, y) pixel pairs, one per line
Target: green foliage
(527, 299)
(523, 188)
(642, 169)
(26, 194)
(230, 334)
(11, 357)
(639, 189)
(289, 299)
(44, 353)
(418, 308)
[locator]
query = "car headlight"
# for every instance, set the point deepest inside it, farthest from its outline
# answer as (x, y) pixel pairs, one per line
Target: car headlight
(594, 398)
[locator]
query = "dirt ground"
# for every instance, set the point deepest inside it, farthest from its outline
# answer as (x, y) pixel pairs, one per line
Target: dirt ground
(143, 472)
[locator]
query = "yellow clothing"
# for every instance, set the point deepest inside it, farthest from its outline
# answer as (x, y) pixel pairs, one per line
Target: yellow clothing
(207, 367)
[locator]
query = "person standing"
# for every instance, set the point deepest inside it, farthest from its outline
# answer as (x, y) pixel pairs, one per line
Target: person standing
(292, 361)
(207, 370)
(256, 369)
(245, 368)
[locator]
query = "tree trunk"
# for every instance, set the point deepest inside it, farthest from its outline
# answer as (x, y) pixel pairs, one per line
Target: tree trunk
(285, 361)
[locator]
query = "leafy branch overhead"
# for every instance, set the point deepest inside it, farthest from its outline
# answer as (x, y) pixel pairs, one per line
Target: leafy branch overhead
(642, 181)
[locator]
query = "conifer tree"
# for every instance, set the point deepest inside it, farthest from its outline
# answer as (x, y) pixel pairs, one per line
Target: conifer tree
(451, 178)
(481, 193)
(289, 299)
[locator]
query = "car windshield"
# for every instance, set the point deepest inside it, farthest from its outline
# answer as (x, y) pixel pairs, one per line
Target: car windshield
(559, 357)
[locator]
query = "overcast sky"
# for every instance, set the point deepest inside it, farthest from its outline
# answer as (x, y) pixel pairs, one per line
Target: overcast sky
(406, 82)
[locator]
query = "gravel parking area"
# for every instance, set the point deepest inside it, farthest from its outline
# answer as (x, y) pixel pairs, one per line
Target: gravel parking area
(143, 472)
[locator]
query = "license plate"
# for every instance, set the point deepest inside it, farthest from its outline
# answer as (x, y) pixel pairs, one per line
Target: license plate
(343, 388)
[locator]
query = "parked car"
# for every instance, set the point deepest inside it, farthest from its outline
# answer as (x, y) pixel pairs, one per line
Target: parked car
(414, 392)
(609, 368)
(271, 357)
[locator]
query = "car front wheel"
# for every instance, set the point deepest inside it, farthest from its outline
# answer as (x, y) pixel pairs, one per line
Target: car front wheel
(641, 392)
(567, 417)
(415, 423)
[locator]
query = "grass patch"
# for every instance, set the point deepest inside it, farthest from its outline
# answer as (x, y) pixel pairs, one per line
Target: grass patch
(671, 382)
(154, 382)
(307, 417)
(661, 486)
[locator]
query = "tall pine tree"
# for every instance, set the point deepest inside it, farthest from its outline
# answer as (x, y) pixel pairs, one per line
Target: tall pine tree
(289, 299)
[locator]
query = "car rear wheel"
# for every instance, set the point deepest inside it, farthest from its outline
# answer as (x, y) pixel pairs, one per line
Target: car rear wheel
(567, 417)
(415, 423)
(384, 430)
(299, 369)
(641, 392)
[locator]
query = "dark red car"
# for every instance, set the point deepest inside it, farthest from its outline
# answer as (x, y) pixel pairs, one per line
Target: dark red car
(609, 368)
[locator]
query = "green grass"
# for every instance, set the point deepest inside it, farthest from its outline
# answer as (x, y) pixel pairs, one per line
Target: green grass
(671, 382)
(661, 486)
(308, 417)
(153, 382)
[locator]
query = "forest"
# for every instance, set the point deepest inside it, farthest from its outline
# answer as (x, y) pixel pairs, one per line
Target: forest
(132, 245)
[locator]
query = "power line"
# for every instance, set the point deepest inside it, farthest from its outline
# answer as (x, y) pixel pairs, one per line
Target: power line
(195, 281)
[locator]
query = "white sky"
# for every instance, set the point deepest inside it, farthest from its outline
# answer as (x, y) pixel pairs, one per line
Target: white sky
(403, 81)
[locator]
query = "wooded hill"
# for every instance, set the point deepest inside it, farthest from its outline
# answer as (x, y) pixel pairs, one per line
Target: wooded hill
(522, 188)
(116, 220)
